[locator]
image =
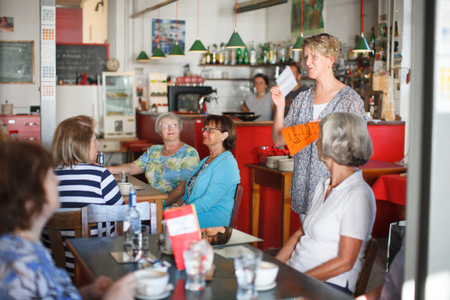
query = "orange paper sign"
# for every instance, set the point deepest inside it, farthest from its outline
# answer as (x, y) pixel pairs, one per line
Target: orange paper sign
(299, 136)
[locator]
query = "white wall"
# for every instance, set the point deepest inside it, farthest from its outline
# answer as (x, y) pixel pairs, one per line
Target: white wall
(26, 28)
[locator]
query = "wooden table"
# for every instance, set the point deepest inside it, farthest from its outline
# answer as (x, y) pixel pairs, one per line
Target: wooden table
(93, 255)
(147, 193)
(261, 175)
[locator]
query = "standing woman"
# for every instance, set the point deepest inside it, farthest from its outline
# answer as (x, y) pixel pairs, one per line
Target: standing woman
(327, 95)
(260, 102)
(212, 187)
(167, 166)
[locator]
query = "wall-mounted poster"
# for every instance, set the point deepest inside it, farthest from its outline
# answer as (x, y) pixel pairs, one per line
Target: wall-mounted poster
(164, 33)
(312, 17)
(7, 24)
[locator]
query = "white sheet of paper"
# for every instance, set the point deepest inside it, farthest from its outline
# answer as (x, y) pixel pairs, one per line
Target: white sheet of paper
(286, 81)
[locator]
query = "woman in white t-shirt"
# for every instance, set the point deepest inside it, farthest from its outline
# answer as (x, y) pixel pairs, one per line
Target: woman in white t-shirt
(331, 242)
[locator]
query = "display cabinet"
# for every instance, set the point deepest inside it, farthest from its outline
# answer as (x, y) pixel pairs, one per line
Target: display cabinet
(118, 118)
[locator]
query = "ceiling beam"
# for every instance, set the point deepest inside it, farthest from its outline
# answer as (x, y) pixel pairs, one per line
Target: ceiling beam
(137, 14)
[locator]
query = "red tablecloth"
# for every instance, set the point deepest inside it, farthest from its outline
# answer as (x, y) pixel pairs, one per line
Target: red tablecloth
(391, 188)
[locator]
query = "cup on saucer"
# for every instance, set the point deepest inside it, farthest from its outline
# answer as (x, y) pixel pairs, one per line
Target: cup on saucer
(266, 274)
(151, 282)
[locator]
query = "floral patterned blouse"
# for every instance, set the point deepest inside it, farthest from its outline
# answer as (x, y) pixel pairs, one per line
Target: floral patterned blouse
(308, 169)
(166, 172)
(27, 271)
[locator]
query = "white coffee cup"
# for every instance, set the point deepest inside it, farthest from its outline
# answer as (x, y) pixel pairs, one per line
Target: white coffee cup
(151, 282)
(266, 273)
(124, 187)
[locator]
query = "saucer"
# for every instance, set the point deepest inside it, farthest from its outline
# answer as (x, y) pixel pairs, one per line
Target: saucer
(266, 287)
(163, 250)
(166, 293)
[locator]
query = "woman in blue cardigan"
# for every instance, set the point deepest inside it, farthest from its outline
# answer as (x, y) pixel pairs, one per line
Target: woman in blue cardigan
(212, 187)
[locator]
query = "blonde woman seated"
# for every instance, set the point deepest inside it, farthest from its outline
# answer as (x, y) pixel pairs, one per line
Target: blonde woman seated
(331, 242)
(167, 167)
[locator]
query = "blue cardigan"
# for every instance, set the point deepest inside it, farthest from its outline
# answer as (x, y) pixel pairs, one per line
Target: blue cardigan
(214, 190)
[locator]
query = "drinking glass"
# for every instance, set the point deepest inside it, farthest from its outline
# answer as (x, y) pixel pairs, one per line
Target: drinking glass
(123, 176)
(246, 263)
(140, 245)
(197, 262)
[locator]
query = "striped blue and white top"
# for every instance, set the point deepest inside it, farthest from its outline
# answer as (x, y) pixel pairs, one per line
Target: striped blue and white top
(84, 184)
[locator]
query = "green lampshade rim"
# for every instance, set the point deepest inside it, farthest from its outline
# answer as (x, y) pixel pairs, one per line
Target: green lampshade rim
(142, 57)
(235, 41)
(176, 51)
(158, 53)
(197, 46)
(298, 45)
(362, 45)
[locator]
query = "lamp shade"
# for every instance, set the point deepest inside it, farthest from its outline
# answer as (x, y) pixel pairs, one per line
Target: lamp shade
(235, 41)
(362, 45)
(298, 45)
(197, 46)
(158, 53)
(142, 57)
(176, 51)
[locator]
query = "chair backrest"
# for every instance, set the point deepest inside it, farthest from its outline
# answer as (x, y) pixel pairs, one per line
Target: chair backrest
(70, 220)
(237, 205)
(112, 216)
(369, 259)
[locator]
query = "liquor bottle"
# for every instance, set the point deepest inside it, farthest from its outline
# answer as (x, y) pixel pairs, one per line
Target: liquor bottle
(233, 59)
(101, 159)
(208, 56)
(214, 54)
(239, 56)
(221, 56)
(372, 39)
(253, 59)
(131, 223)
(246, 59)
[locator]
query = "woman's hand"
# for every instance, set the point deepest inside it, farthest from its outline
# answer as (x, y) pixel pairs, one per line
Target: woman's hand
(277, 98)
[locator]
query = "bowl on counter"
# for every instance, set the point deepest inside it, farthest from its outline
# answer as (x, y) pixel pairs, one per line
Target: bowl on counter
(272, 161)
(247, 117)
(286, 165)
(233, 113)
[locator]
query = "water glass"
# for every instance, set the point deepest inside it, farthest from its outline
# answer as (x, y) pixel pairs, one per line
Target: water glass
(246, 263)
(123, 176)
(140, 245)
(197, 262)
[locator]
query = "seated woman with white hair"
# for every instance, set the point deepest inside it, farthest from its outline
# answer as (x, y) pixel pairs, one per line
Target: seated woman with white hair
(331, 242)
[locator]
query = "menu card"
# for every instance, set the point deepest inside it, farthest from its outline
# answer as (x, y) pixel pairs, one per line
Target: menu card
(299, 136)
(183, 228)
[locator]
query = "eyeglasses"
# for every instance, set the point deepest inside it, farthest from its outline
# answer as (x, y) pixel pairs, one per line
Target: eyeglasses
(210, 129)
(167, 126)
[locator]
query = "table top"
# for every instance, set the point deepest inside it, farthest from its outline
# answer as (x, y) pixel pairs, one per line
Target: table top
(94, 257)
(391, 188)
(144, 190)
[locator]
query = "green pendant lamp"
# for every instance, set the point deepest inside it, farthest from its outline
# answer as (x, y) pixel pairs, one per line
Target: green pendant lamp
(142, 57)
(361, 45)
(158, 53)
(197, 46)
(235, 40)
(176, 50)
(298, 45)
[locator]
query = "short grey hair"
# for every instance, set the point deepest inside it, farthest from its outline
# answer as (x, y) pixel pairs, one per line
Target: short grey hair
(345, 139)
(167, 115)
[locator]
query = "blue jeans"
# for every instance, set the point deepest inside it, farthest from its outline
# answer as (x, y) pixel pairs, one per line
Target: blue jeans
(342, 289)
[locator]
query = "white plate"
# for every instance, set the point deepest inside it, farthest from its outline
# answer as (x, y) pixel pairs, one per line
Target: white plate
(166, 293)
(266, 287)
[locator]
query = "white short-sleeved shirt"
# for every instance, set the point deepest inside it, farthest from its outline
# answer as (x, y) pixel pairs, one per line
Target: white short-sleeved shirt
(349, 210)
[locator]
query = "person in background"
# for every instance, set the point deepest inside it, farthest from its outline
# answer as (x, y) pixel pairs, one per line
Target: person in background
(4, 134)
(81, 181)
(212, 187)
(28, 198)
(326, 96)
(260, 102)
(331, 242)
(297, 89)
(167, 167)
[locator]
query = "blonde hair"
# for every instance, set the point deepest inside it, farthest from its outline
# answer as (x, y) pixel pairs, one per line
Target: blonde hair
(71, 141)
(325, 44)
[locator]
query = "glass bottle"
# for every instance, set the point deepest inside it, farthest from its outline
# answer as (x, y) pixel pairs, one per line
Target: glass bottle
(246, 59)
(131, 223)
(239, 56)
(253, 59)
(208, 55)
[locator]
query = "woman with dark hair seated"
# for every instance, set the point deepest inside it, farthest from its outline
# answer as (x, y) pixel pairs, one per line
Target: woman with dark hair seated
(331, 242)
(212, 187)
(28, 198)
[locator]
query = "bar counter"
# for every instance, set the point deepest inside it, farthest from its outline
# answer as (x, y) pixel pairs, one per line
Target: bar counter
(387, 139)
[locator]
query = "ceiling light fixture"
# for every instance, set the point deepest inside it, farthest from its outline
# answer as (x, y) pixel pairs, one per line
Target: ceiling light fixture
(176, 50)
(235, 40)
(362, 46)
(298, 45)
(143, 57)
(197, 46)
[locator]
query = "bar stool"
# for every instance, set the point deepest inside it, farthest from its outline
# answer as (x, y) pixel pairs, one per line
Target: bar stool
(127, 144)
(137, 149)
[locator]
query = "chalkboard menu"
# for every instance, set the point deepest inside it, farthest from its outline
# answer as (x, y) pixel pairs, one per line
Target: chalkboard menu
(75, 60)
(16, 61)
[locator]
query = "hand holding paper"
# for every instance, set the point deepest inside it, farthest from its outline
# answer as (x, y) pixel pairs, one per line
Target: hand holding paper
(299, 136)
(286, 81)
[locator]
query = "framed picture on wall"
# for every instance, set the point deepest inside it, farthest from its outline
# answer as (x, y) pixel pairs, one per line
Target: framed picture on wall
(16, 62)
(373, 102)
(382, 30)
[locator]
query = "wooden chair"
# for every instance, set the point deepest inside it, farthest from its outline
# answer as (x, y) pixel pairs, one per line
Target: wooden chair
(369, 259)
(237, 205)
(112, 216)
(70, 220)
